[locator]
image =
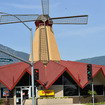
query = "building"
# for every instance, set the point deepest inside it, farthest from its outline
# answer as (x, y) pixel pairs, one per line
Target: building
(57, 78)
(67, 78)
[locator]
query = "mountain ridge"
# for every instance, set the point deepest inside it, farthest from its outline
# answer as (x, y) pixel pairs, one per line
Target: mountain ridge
(99, 60)
(20, 54)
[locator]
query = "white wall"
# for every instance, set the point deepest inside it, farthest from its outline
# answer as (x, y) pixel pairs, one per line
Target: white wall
(99, 79)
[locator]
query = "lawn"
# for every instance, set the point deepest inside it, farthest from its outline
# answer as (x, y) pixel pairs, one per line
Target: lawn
(103, 103)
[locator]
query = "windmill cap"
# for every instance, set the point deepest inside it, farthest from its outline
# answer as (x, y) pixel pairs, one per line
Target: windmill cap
(43, 18)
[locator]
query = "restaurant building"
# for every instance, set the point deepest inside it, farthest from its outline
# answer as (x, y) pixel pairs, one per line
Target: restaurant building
(67, 78)
(57, 78)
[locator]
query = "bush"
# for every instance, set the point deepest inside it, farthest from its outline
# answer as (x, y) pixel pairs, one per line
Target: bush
(90, 92)
(1, 101)
(91, 99)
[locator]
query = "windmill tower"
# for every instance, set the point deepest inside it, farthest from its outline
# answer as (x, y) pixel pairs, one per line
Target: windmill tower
(44, 43)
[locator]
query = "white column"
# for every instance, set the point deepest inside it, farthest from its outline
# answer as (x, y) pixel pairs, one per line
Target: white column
(30, 92)
(14, 96)
(21, 96)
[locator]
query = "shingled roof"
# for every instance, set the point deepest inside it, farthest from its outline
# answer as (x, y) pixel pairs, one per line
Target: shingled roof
(12, 73)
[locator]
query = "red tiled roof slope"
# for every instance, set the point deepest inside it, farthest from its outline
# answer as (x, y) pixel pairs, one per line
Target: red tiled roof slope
(12, 73)
(79, 71)
(53, 72)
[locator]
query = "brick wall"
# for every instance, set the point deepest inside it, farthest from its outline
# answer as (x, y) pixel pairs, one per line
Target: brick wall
(67, 101)
(10, 101)
(87, 99)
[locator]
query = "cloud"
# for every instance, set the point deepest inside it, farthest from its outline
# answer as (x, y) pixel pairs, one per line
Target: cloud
(23, 6)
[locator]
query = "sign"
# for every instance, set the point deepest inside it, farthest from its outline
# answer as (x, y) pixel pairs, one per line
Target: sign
(23, 94)
(46, 92)
(6, 92)
(5, 60)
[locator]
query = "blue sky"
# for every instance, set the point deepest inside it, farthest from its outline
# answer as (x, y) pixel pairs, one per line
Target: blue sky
(74, 41)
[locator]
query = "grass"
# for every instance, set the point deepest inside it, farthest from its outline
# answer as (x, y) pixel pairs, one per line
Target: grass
(103, 103)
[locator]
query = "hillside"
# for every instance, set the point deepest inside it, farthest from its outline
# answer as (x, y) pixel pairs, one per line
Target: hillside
(22, 55)
(95, 60)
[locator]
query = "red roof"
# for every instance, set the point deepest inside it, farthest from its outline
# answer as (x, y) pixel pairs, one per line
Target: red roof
(12, 73)
(79, 71)
(53, 72)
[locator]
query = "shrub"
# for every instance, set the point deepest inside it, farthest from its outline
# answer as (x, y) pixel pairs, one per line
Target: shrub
(1, 101)
(90, 92)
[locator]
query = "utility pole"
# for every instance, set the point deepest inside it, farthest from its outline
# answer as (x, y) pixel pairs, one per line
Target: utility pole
(90, 78)
(93, 91)
(31, 64)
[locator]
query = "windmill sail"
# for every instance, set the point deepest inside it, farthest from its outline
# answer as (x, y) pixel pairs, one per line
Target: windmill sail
(45, 7)
(8, 19)
(82, 19)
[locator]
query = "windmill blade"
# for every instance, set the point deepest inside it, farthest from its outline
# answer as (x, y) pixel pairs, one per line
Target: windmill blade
(45, 7)
(82, 19)
(8, 19)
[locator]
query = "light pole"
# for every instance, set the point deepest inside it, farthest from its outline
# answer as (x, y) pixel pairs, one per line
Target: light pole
(31, 41)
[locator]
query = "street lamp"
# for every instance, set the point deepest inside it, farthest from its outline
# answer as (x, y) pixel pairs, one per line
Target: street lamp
(31, 41)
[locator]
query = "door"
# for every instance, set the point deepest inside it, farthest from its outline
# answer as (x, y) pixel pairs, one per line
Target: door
(18, 96)
(25, 95)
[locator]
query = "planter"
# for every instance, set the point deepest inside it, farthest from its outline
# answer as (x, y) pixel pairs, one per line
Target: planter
(58, 101)
(6, 102)
(62, 101)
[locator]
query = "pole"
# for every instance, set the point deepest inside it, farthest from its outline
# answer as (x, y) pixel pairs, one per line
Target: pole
(79, 94)
(32, 70)
(93, 92)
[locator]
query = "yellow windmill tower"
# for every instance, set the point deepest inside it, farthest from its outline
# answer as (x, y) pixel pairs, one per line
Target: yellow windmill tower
(44, 43)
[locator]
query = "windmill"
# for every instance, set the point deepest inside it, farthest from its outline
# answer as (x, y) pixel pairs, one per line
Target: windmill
(44, 43)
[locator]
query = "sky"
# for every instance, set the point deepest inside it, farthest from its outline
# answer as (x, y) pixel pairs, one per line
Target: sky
(74, 41)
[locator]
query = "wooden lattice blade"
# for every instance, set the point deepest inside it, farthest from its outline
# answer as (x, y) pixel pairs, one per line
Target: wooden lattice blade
(81, 19)
(15, 18)
(45, 7)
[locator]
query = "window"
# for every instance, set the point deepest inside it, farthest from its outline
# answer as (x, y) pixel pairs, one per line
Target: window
(99, 89)
(10, 94)
(84, 91)
(71, 90)
(70, 86)
(18, 92)
(58, 81)
(25, 80)
(67, 79)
